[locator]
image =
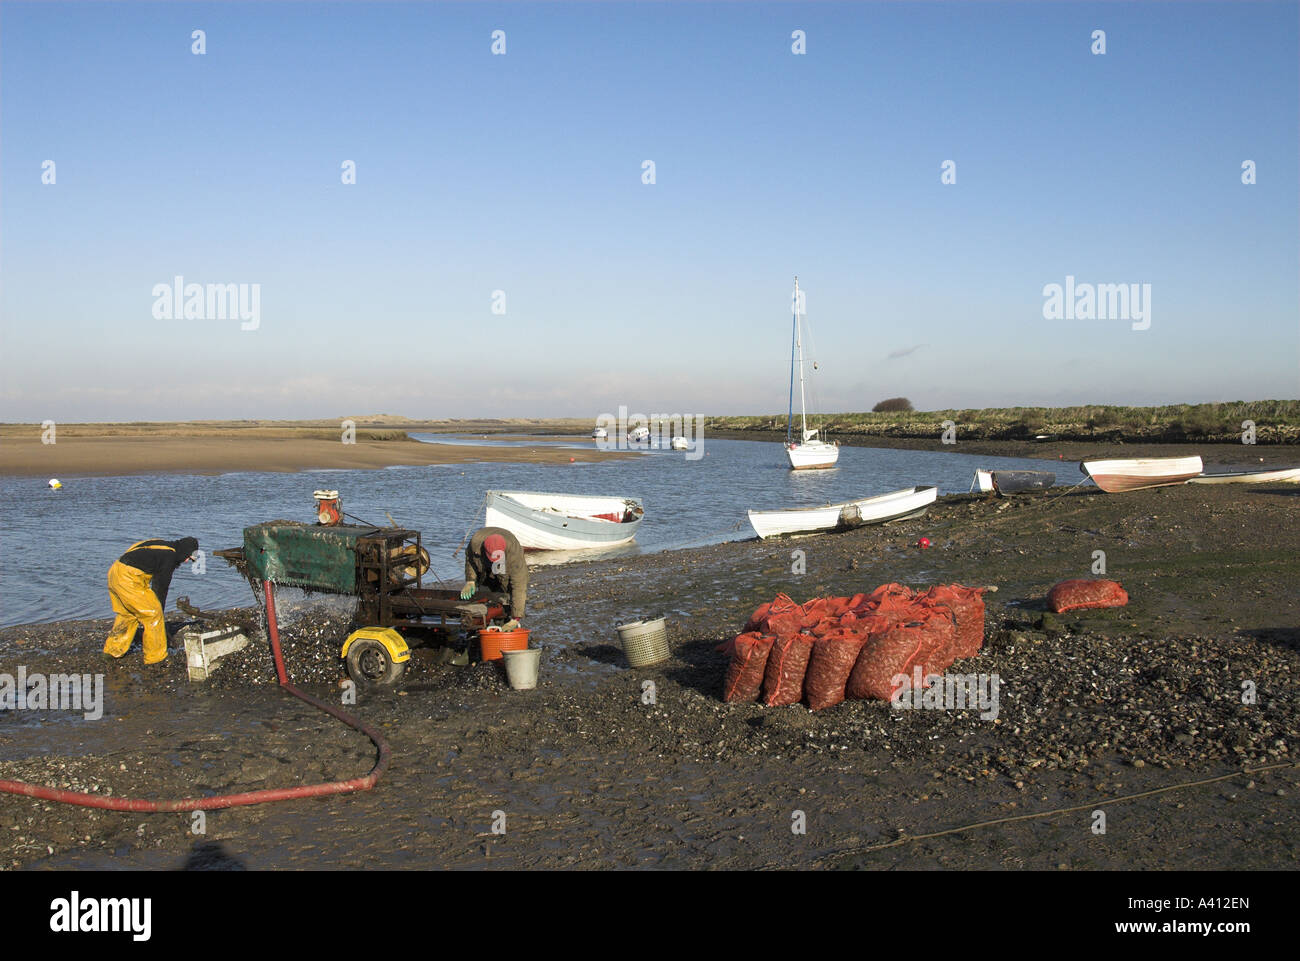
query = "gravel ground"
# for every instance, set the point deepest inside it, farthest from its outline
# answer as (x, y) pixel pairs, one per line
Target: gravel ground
(604, 766)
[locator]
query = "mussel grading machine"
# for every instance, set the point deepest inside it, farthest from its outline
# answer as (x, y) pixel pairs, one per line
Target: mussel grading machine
(383, 567)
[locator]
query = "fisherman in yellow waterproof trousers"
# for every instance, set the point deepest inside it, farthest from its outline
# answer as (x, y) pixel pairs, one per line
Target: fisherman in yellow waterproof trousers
(137, 587)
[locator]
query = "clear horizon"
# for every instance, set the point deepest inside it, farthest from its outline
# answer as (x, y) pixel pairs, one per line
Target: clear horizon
(516, 180)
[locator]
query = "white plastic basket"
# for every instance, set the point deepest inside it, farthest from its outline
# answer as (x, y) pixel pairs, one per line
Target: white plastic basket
(644, 642)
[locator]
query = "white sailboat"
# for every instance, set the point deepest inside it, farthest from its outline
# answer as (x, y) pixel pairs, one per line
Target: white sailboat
(808, 453)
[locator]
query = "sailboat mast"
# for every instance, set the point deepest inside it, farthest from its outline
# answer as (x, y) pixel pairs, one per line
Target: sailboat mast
(789, 419)
(803, 406)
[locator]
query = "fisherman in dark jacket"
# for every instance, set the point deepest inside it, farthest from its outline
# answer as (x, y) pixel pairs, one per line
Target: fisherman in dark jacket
(137, 588)
(495, 560)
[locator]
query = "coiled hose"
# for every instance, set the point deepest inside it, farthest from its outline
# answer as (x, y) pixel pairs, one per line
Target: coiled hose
(232, 800)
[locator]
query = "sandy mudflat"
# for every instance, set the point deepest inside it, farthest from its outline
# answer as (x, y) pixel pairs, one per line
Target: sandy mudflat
(138, 454)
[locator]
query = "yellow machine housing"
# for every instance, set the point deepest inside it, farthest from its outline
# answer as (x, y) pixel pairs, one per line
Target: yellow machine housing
(386, 636)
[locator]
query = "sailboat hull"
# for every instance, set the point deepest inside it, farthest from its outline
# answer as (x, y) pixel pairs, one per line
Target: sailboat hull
(812, 456)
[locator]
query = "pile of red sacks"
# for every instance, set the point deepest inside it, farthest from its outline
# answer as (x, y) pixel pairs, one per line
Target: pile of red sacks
(836, 647)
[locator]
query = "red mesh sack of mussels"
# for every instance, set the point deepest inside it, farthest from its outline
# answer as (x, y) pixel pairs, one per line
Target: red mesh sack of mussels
(744, 681)
(967, 604)
(925, 639)
(758, 620)
(833, 657)
(888, 593)
(784, 616)
(1082, 594)
(786, 665)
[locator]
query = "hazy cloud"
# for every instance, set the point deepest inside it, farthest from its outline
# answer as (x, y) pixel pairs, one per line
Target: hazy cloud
(895, 354)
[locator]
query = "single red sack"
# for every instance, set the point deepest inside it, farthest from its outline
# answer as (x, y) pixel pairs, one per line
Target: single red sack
(748, 663)
(786, 665)
(1080, 594)
(758, 620)
(814, 611)
(925, 640)
(784, 616)
(824, 626)
(833, 657)
(884, 591)
(835, 606)
(967, 605)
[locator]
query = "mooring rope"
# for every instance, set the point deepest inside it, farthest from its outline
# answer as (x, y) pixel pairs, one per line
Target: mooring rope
(470, 532)
(1093, 805)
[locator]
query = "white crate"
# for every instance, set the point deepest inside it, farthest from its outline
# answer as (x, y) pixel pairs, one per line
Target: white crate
(204, 648)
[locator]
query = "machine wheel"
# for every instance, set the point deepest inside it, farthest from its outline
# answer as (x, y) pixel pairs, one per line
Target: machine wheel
(371, 666)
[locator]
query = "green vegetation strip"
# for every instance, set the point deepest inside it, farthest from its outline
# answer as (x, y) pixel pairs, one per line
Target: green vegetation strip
(1275, 422)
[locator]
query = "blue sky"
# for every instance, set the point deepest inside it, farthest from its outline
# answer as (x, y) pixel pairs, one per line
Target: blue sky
(523, 173)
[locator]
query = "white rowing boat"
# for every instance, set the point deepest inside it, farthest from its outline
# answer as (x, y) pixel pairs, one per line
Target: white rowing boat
(1118, 476)
(896, 506)
(1284, 475)
(564, 522)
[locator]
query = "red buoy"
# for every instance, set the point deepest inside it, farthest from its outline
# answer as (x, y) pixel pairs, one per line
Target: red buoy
(923, 543)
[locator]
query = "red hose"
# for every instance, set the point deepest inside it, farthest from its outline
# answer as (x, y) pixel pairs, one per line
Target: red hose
(232, 800)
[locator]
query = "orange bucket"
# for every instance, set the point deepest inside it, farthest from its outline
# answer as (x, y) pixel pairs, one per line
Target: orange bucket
(492, 643)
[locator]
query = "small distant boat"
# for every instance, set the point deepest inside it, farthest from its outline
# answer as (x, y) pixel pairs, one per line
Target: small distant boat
(896, 506)
(599, 434)
(808, 453)
(638, 434)
(1118, 476)
(1284, 475)
(562, 522)
(680, 443)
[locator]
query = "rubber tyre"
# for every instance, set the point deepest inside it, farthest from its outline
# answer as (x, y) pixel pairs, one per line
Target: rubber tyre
(371, 667)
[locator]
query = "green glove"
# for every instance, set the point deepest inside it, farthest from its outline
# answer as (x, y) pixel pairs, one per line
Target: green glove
(467, 591)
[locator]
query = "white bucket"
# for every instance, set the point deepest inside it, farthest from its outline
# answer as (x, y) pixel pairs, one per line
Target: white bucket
(522, 666)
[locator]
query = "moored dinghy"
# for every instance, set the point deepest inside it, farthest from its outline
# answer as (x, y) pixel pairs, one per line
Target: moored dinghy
(1284, 475)
(1022, 481)
(563, 522)
(1012, 481)
(1118, 476)
(895, 506)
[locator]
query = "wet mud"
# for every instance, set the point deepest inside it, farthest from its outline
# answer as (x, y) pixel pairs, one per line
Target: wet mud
(605, 766)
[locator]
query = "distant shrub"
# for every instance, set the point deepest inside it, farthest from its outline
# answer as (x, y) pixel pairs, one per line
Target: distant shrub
(892, 405)
(1199, 422)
